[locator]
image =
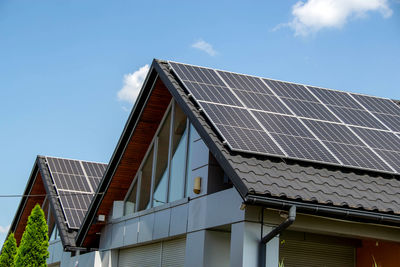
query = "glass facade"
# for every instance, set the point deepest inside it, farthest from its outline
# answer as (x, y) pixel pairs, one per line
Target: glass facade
(130, 203)
(192, 135)
(55, 235)
(145, 182)
(179, 152)
(161, 167)
(164, 174)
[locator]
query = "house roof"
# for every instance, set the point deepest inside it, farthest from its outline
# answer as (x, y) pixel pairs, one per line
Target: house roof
(321, 185)
(300, 180)
(65, 183)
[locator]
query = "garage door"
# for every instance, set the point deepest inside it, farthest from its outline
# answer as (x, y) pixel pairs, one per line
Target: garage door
(166, 254)
(311, 254)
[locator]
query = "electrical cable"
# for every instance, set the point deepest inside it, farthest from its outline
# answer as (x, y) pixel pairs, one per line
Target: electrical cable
(51, 195)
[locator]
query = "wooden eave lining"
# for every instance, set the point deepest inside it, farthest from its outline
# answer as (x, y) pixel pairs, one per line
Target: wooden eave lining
(133, 155)
(37, 189)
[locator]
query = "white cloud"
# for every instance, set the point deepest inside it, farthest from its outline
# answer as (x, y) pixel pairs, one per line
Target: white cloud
(314, 15)
(4, 229)
(204, 46)
(132, 84)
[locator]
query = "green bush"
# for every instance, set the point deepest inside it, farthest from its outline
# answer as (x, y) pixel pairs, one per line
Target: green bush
(35, 241)
(7, 256)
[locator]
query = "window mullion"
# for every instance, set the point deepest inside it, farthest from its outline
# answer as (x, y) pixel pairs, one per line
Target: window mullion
(153, 171)
(139, 185)
(185, 169)
(170, 145)
(48, 210)
(130, 190)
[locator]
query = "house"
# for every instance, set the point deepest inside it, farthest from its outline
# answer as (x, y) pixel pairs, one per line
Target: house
(64, 188)
(215, 168)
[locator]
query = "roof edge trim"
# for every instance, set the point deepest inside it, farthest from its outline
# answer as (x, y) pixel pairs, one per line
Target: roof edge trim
(53, 200)
(119, 150)
(28, 189)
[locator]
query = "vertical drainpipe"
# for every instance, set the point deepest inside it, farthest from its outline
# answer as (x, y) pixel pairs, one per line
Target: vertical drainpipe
(276, 231)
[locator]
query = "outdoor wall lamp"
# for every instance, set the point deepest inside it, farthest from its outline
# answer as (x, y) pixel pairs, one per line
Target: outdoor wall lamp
(197, 185)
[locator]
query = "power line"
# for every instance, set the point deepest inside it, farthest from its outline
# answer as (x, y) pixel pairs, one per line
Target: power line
(50, 195)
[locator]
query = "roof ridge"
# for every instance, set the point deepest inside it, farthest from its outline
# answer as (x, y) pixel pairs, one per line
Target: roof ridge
(276, 80)
(88, 161)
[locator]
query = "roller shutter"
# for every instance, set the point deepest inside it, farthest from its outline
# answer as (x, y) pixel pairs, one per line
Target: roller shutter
(166, 254)
(143, 256)
(311, 254)
(173, 253)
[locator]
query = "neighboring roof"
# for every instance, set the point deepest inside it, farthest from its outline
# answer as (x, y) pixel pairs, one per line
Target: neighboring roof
(255, 175)
(75, 183)
(64, 182)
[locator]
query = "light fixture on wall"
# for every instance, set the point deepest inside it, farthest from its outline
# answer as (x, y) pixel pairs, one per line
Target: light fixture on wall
(197, 185)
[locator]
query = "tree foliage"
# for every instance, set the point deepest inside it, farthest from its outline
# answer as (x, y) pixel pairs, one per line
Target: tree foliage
(35, 241)
(9, 251)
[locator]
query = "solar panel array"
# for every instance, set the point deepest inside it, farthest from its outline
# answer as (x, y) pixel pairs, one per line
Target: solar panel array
(269, 117)
(75, 183)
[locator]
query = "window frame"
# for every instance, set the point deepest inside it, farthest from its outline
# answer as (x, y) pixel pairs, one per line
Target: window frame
(154, 145)
(185, 169)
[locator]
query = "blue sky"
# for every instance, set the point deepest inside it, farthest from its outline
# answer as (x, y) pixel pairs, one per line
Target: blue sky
(62, 63)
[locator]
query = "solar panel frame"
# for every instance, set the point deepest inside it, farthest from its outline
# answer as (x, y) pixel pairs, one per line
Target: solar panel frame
(281, 124)
(311, 110)
(290, 90)
(245, 83)
(302, 93)
(231, 124)
(212, 93)
(75, 207)
(379, 139)
(208, 82)
(378, 105)
(333, 132)
(392, 157)
(392, 122)
(312, 144)
(94, 172)
(388, 148)
(368, 157)
(337, 136)
(262, 102)
(349, 153)
(357, 117)
(290, 132)
(312, 149)
(327, 97)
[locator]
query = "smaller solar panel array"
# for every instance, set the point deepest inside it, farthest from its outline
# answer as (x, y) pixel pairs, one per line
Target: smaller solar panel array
(263, 116)
(75, 183)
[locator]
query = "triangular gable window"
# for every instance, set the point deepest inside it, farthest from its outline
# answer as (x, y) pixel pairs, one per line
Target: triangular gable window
(54, 233)
(163, 174)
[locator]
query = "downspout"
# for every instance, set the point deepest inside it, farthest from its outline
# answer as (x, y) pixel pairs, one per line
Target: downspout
(276, 231)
